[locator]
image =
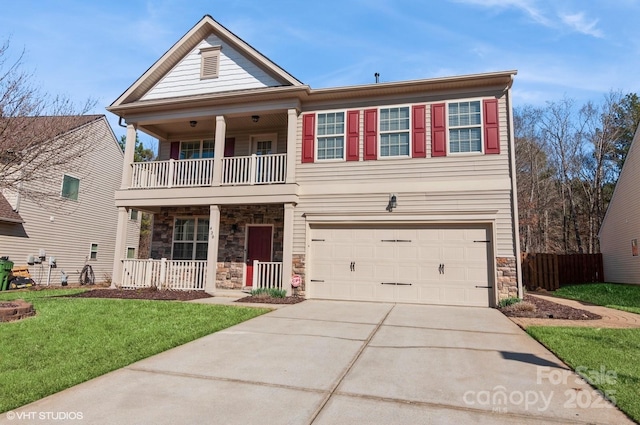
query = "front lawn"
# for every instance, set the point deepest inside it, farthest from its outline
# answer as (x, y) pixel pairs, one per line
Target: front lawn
(72, 340)
(608, 358)
(613, 295)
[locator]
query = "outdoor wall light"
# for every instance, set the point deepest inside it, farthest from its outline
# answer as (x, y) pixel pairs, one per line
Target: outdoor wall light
(393, 203)
(255, 118)
(234, 228)
(193, 123)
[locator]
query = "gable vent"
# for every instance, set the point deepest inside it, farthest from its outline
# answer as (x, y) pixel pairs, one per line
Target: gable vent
(210, 62)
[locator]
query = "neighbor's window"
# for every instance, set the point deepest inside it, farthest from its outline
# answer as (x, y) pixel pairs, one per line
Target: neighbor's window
(330, 136)
(70, 187)
(465, 127)
(394, 131)
(190, 238)
(133, 214)
(94, 251)
(131, 252)
(197, 149)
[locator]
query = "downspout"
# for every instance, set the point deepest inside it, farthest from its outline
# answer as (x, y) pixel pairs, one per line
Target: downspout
(514, 192)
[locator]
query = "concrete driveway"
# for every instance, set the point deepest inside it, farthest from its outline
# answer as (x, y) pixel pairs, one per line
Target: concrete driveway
(329, 362)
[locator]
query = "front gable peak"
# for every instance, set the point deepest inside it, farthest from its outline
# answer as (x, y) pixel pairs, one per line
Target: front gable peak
(208, 59)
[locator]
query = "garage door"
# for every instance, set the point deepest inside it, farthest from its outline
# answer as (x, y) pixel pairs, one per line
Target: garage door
(430, 265)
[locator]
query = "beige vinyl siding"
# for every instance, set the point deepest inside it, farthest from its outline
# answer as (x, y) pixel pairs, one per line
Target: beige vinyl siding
(622, 223)
(410, 202)
(66, 229)
(236, 72)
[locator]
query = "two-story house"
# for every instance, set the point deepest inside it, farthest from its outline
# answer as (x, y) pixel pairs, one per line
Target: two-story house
(399, 191)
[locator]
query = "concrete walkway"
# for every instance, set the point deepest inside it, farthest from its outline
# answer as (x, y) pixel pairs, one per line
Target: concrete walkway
(611, 318)
(329, 362)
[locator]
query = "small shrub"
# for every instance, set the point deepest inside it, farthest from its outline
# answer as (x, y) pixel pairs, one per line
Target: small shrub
(520, 307)
(269, 292)
(508, 301)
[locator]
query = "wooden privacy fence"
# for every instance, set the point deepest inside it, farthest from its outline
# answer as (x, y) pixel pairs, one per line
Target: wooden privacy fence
(551, 271)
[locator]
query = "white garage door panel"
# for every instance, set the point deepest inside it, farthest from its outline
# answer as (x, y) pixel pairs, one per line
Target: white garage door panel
(401, 265)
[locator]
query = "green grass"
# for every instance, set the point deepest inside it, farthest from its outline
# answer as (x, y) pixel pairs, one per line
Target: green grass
(72, 340)
(613, 295)
(610, 358)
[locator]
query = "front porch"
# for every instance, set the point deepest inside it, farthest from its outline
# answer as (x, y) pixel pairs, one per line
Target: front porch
(248, 243)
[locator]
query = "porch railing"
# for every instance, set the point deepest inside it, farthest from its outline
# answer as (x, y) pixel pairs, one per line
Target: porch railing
(254, 169)
(267, 275)
(189, 275)
(172, 173)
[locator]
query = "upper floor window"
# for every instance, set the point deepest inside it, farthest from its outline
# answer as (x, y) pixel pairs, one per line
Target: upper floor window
(394, 131)
(465, 127)
(197, 149)
(330, 136)
(70, 187)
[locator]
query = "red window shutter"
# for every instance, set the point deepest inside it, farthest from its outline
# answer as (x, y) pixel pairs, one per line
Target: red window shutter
(175, 150)
(370, 134)
(419, 138)
(353, 135)
(308, 137)
(229, 146)
(491, 130)
(438, 130)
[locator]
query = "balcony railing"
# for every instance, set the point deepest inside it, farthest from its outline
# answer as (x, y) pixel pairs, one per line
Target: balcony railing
(240, 170)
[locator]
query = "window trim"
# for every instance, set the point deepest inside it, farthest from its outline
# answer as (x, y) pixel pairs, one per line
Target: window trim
(195, 241)
(62, 187)
(409, 131)
(272, 137)
(210, 53)
(448, 127)
(344, 136)
(201, 141)
(92, 252)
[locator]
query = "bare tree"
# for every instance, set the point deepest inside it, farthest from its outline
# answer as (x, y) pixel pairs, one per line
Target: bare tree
(32, 125)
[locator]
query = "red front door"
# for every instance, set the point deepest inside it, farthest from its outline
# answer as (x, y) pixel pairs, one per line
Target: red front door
(258, 248)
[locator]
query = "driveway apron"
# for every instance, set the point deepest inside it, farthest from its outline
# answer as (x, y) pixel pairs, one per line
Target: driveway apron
(331, 362)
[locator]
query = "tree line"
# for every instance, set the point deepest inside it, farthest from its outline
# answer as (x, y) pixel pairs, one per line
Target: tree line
(568, 160)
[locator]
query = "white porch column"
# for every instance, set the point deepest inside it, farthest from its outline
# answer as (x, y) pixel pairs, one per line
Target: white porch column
(129, 149)
(287, 248)
(292, 129)
(221, 130)
(121, 246)
(212, 251)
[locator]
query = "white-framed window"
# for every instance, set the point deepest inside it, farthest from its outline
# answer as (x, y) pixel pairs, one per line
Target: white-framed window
(131, 252)
(133, 214)
(395, 132)
(93, 253)
(190, 238)
(70, 187)
(465, 126)
(210, 62)
(264, 144)
(330, 132)
(195, 149)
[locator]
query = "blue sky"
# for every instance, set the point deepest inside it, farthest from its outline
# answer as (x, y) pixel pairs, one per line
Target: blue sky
(580, 49)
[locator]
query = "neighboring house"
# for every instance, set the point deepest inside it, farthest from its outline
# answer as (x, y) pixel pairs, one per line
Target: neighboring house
(400, 191)
(77, 225)
(620, 230)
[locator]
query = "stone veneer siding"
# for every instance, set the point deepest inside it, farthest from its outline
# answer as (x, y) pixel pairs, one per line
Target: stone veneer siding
(507, 277)
(231, 249)
(298, 267)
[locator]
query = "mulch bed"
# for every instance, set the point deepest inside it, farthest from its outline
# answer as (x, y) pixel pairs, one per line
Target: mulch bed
(143, 294)
(550, 310)
(270, 300)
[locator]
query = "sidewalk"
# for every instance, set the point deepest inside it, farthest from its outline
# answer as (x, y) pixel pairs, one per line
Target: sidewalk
(611, 318)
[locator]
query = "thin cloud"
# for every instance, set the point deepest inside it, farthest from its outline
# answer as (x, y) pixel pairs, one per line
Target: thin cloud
(580, 23)
(527, 6)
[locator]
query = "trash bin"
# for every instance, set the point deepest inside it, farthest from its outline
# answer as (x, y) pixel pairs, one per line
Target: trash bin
(5, 272)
